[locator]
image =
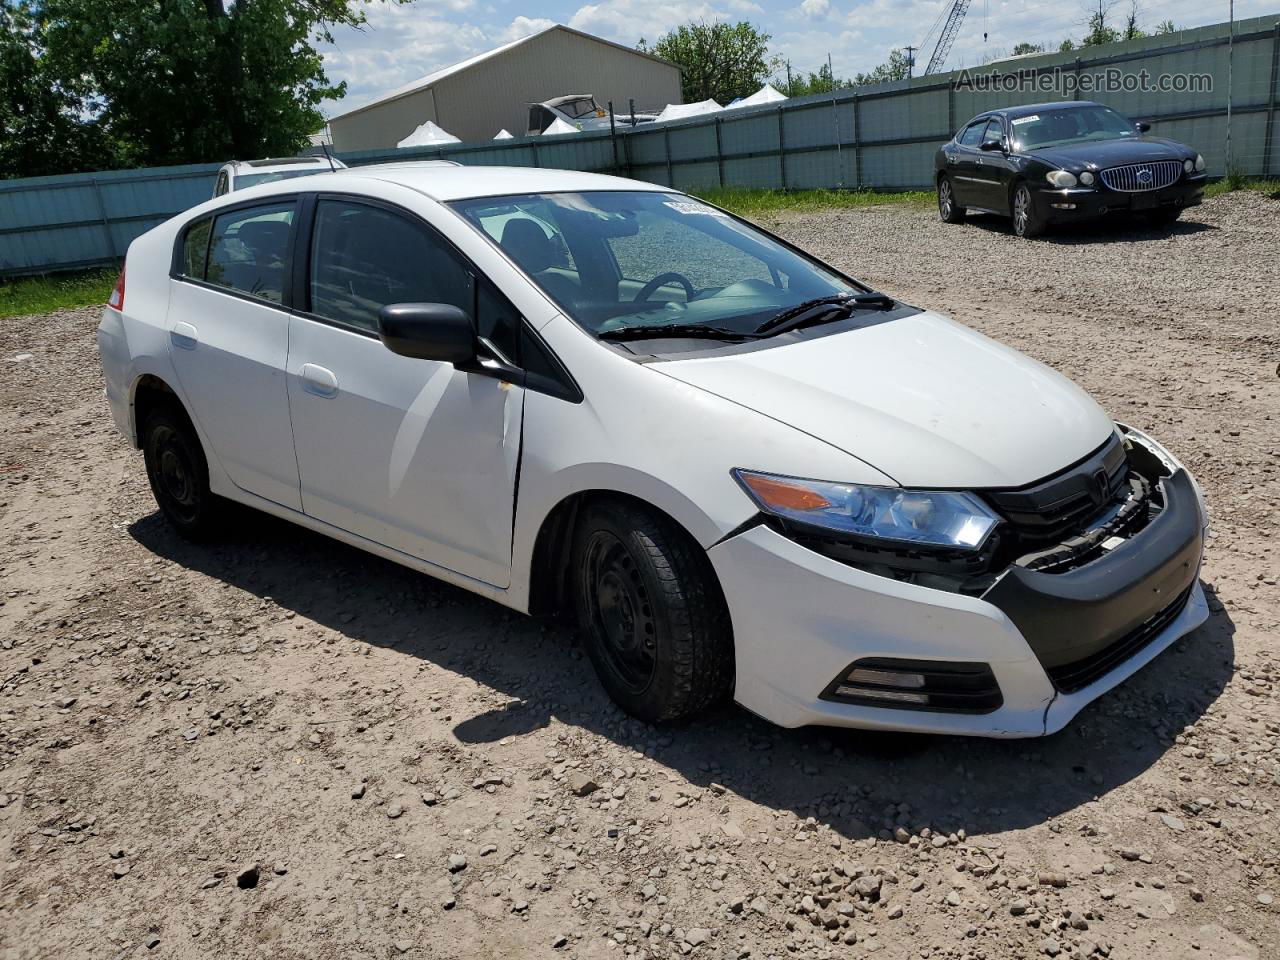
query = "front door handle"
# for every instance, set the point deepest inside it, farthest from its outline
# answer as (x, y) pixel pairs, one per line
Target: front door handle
(318, 380)
(183, 336)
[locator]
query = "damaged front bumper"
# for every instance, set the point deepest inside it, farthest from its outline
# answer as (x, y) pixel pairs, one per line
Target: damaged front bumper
(1052, 641)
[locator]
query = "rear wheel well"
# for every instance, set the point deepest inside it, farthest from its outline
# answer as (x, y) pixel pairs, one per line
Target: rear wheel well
(551, 569)
(150, 394)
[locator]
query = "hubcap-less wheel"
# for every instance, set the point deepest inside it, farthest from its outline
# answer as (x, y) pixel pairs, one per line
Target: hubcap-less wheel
(176, 473)
(1021, 210)
(619, 605)
(945, 201)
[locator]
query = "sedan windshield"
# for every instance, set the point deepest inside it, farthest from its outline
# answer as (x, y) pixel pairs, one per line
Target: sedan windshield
(618, 260)
(1060, 125)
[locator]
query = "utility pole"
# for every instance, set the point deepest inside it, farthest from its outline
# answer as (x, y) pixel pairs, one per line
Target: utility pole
(911, 60)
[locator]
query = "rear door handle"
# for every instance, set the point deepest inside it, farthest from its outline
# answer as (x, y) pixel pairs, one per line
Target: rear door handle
(183, 336)
(318, 380)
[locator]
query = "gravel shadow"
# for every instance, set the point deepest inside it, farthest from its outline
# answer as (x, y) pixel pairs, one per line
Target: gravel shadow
(1108, 230)
(856, 781)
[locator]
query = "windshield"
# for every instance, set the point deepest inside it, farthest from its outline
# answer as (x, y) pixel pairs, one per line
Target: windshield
(246, 180)
(614, 260)
(579, 108)
(1059, 125)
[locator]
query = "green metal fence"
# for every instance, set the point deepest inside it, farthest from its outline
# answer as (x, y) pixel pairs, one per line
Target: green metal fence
(872, 137)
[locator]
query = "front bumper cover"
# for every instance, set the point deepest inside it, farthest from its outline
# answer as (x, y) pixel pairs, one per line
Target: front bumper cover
(1089, 202)
(801, 618)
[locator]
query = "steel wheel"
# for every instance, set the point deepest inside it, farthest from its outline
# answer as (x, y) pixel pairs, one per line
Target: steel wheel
(620, 610)
(179, 475)
(175, 474)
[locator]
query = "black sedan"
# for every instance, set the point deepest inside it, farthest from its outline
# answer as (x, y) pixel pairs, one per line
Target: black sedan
(1062, 162)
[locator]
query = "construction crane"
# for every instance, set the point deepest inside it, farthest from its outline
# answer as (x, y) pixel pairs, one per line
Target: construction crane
(955, 16)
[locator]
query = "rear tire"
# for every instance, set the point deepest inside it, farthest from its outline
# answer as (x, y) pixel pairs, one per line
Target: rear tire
(654, 620)
(1026, 221)
(179, 474)
(948, 210)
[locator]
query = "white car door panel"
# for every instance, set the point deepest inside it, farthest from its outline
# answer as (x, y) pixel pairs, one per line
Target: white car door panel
(412, 454)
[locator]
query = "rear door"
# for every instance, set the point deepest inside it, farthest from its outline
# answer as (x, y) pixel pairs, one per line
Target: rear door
(228, 325)
(412, 454)
(963, 158)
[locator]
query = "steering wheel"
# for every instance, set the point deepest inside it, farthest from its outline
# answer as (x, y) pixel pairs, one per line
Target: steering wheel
(661, 280)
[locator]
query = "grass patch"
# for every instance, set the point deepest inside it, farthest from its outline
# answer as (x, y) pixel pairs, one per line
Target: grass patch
(59, 291)
(1235, 181)
(755, 203)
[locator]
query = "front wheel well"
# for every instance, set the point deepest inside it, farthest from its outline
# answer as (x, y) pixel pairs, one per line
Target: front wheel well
(551, 568)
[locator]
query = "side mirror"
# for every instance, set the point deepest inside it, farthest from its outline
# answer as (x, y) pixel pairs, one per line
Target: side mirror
(428, 331)
(1142, 126)
(990, 146)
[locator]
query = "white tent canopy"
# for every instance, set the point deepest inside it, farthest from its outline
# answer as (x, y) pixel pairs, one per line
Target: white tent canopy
(503, 134)
(428, 135)
(559, 127)
(679, 111)
(765, 94)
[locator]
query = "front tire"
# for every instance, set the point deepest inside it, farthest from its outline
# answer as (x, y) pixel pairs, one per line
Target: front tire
(179, 474)
(948, 210)
(654, 620)
(1027, 223)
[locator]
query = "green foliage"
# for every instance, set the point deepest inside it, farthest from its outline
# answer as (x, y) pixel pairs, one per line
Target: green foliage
(30, 295)
(756, 203)
(1025, 48)
(718, 61)
(43, 129)
(803, 85)
(897, 67)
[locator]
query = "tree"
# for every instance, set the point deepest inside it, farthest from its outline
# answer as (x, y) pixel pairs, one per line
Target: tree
(186, 81)
(803, 85)
(43, 129)
(718, 61)
(897, 67)
(1025, 48)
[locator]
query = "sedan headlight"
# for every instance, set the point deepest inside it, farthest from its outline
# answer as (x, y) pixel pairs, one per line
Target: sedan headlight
(917, 517)
(1188, 165)
(1061, 178)
(1199, 163)
(1086, 179)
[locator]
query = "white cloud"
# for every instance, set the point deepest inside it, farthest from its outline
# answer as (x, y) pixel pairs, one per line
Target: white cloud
(523, 27)
(627, 21)
(815, 9)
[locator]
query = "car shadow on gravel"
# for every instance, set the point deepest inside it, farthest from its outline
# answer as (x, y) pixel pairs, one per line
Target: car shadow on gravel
(1114, 230)
(858, 783)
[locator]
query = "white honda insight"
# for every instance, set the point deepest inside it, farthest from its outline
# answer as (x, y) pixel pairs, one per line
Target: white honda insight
(740, 472)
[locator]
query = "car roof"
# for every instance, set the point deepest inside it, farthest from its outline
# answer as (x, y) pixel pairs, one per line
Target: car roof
(447, 183)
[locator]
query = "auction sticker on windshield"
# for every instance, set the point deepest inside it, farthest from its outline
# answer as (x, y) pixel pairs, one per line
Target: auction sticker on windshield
(1018, 120)
(684, 206)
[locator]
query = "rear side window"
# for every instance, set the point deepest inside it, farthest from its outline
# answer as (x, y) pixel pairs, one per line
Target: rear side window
(249, 250)
(972, 134)
(195, 249)
(364, 257)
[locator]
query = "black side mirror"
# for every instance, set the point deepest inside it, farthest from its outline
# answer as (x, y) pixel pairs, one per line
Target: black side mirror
(989, 146)
(1142, 126)
(428, 331)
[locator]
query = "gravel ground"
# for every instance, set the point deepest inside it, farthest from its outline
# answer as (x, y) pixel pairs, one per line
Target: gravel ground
(281, 747)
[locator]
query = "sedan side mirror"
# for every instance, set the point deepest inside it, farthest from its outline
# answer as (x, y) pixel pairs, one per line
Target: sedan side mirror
(428, 331)
(989, 146)
(1142, 126)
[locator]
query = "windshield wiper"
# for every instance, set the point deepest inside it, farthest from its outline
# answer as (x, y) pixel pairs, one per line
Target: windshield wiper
(822, 309)
(655, 331)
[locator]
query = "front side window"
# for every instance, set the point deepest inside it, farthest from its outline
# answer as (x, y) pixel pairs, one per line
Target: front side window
(1060, 125)
(972, 134)
(249, 250)
(614, 259)
(994, 131)
(364, 257)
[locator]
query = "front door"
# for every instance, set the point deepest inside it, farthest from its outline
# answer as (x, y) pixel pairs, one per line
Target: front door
(229, 339)
(412, 454)
(963, 159)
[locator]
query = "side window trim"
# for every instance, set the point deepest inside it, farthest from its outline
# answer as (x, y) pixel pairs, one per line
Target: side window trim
(565, 388)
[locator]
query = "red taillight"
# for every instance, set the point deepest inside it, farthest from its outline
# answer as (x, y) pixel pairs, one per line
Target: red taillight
(116, 300)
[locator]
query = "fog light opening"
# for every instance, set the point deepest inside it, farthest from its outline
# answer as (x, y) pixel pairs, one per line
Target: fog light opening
(888, 678)
(935, 685)
(889, 696)
(1063, 206)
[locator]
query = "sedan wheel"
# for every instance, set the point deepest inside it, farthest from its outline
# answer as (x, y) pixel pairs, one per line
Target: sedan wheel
(179, 474)
(1026, 222)
(948, 210)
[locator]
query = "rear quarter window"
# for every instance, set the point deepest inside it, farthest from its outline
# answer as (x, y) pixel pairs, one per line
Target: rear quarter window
(195, 249)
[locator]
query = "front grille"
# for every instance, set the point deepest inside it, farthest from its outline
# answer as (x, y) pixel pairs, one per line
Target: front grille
(1137, 177)
(1061, 506)
(1070, 677)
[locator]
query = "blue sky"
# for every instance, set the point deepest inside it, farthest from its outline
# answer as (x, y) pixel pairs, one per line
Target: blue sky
(403, 42)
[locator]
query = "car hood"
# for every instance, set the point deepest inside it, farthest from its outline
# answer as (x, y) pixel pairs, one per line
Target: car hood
(924, 400)
(1111, 153)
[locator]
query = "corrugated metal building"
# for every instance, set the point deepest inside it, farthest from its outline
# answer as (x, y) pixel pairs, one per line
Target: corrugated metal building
(476, 98)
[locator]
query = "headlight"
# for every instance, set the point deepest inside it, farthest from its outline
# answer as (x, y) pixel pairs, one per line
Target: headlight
(1199, 162)
(1188, 166)
(1086, 178)
(926, 518)
(1061, 178)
